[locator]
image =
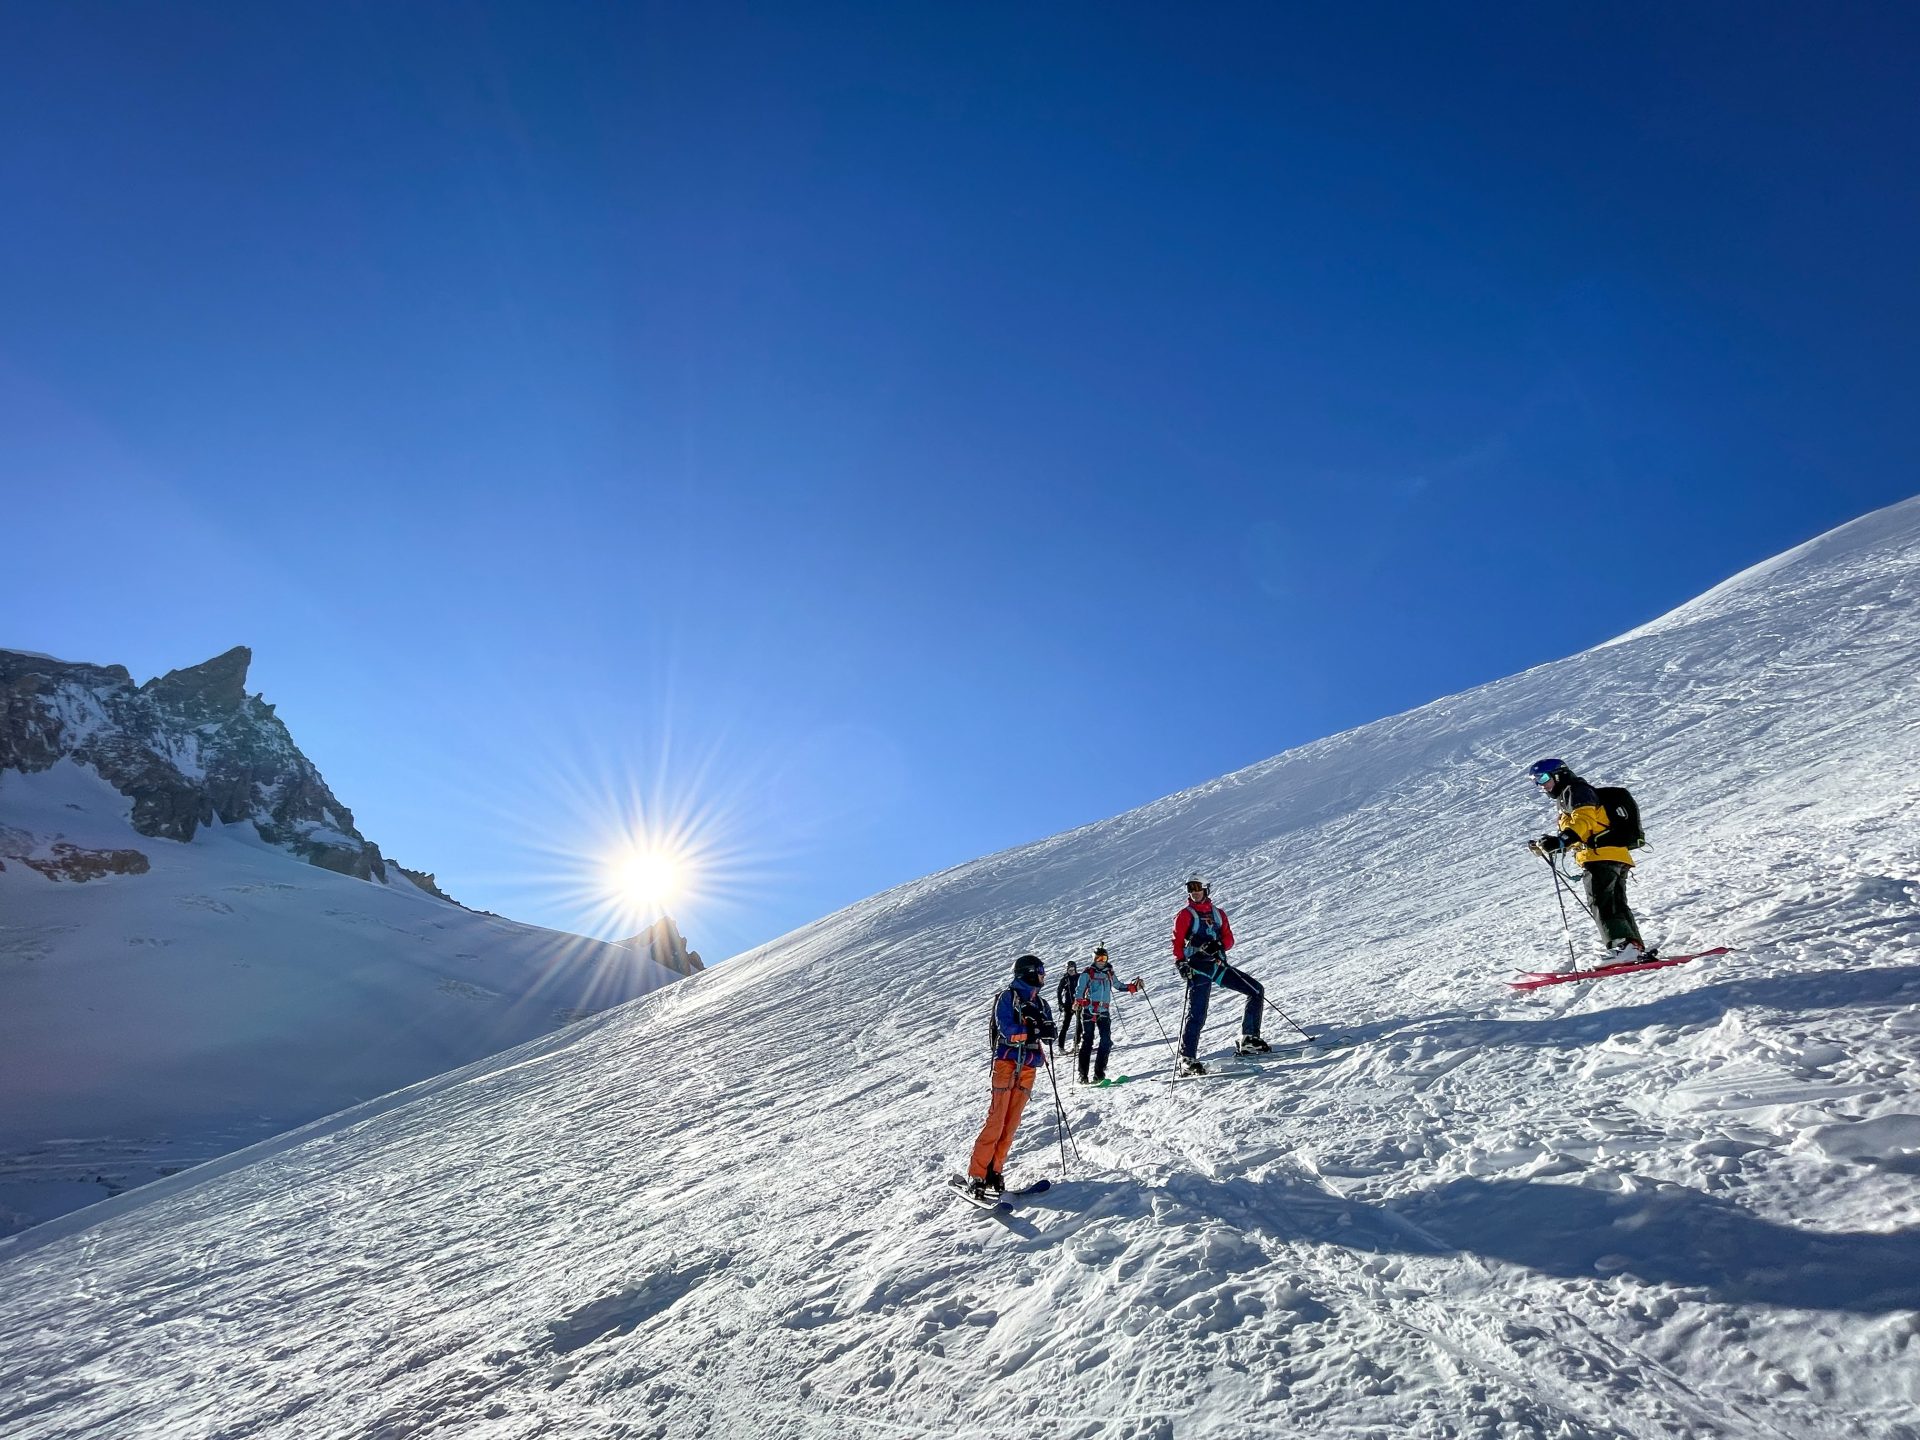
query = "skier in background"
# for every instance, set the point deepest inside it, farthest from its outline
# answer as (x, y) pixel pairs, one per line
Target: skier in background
(1063, 997)
(1093, 1009)
(1022, 1025)
(1201, 939)
(1604, 859)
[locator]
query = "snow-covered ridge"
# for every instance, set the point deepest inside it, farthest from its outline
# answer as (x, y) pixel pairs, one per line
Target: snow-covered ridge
(189, 748)
(1677, 1205)
(1862, 547)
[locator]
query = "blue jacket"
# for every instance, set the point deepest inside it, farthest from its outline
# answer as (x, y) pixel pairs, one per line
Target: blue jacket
(1096, 992)
(1018, 1012)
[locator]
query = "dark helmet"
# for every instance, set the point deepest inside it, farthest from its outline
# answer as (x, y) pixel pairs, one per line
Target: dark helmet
(1549, 773)
(1100, 959)
(1099, 952)
(1029, 969)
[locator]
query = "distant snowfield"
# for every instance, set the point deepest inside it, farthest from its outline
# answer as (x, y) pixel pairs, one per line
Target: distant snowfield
(150, 1021)
(1685, 1203)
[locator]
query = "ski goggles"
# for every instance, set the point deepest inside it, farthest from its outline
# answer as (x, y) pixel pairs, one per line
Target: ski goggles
(1543, 781)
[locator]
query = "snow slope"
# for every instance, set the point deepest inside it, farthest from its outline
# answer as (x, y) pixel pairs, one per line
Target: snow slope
(1676, 1204)
(229, 991)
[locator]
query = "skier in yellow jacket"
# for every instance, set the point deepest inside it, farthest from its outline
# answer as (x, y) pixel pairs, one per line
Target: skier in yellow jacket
(1603, 856)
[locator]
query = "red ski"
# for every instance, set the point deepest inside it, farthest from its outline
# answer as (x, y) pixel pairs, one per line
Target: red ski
(1534, 979)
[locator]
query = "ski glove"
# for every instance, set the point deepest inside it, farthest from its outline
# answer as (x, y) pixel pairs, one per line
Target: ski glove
(1548, 845)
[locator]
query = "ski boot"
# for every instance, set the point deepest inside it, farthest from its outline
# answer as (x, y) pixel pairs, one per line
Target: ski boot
(1251, 1045)
(1189, 1067)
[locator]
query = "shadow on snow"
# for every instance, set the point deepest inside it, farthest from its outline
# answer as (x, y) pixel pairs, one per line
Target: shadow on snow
(1660, 1235)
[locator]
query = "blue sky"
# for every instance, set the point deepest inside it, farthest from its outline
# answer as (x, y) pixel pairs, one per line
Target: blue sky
(878, 435)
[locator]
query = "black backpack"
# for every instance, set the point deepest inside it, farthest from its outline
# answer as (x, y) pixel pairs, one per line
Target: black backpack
(1623, 818)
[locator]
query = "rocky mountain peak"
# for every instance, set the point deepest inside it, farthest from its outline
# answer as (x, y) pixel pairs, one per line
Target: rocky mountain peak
(663, 941)
(188, 748)
(215, 688)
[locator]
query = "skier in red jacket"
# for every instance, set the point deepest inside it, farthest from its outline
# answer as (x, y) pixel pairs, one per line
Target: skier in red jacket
(1201, 939)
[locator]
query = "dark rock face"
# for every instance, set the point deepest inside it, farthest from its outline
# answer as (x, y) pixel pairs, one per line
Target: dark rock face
(66, 861)
(667, 945)
(204, 692)
(187, 748)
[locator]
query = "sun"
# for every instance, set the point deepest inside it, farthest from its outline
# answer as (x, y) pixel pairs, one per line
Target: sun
(626, 840)
(647, 880)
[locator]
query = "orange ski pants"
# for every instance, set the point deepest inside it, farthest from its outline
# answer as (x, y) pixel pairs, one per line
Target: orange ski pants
(1012, 1084)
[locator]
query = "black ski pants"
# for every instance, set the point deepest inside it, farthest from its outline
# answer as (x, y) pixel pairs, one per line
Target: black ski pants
(1071, 1031)
(1202, 976)
(1088, 1025)
(1607, 894)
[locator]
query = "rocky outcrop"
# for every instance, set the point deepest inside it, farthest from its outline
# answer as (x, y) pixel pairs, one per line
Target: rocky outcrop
(63, 860)
(663, 941)
(424, 879)
(204, 692)
(188, 748)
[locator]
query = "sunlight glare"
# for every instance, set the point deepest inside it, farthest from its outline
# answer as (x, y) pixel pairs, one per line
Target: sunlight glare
(648, 880)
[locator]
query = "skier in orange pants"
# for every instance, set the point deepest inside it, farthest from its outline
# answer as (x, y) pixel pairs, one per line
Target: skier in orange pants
(1022, 1025)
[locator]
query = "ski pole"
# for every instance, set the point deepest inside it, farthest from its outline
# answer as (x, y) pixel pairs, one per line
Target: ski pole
(1155, 1011)
(1221, 981)
(1566, 930)
(1578, 898)
(1283, 1014)
(1066, 1131)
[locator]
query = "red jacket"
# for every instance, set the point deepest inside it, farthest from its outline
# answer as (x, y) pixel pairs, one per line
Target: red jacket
(1183, 927)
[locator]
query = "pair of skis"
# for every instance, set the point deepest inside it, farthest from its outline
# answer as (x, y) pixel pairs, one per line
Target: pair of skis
(1534, 979)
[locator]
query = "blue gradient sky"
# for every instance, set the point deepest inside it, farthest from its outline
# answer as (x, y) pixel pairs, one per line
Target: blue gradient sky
(882, 435)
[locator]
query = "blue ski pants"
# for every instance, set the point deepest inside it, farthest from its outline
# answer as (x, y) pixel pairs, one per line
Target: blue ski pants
(1095, 1026)
(1202, 976)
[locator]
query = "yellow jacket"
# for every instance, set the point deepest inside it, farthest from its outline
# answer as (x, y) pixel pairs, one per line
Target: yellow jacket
(1582, 815)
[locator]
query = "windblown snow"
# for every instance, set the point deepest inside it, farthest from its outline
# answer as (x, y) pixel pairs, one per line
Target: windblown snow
(1682, 1203)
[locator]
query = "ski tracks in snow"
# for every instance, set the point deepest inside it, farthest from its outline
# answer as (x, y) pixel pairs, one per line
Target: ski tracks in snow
(1677, 1204)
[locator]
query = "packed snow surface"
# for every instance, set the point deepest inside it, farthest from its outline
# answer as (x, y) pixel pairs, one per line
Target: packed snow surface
(1681, 1203)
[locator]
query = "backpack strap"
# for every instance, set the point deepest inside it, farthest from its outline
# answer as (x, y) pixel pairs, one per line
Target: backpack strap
(1212, 931)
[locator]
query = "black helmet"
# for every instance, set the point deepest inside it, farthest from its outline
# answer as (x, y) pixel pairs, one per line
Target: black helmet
(1030, 969)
